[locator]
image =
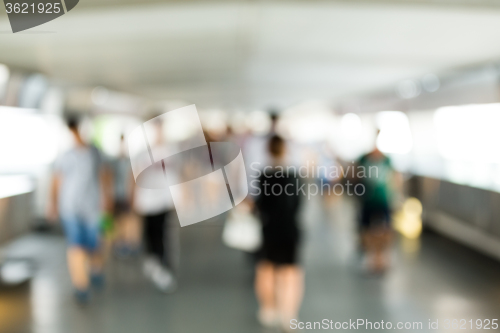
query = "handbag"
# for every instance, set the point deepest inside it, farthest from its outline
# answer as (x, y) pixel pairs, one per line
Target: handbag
(242, 231)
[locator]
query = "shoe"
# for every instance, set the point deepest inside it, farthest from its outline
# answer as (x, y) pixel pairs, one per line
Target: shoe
(82, 296)
(150, 266)
(120, 251)
(268, 318)
(97, 280)
(164, 280)
(126, 251)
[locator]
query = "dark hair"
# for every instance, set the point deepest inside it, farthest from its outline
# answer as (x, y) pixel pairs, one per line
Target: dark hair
(72, 122)
(276, 145)
(274, 115)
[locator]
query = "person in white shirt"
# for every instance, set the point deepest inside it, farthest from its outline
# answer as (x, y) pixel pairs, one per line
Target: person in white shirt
(156, 207)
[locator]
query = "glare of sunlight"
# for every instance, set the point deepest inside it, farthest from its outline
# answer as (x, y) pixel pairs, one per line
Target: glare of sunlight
(408, 221)
(395, 134)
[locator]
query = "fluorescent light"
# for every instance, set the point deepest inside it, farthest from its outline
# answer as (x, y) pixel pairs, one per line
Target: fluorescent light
(350, 125)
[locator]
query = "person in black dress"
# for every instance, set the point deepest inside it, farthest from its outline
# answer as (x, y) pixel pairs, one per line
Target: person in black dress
(279, 279)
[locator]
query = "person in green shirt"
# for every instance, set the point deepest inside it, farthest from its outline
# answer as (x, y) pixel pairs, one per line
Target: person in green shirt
(375, 201)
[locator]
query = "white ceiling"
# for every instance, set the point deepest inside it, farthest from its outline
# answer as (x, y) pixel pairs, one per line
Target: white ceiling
(253, 54)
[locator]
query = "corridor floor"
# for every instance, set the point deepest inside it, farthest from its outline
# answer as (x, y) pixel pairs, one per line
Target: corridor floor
(431, 279)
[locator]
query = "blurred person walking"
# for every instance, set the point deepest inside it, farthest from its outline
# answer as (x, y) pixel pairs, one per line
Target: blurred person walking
(156, 208)
(279, 279)
(79, 195)
(375, 229)
(127, 238)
